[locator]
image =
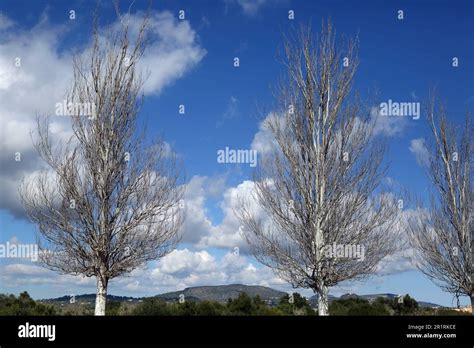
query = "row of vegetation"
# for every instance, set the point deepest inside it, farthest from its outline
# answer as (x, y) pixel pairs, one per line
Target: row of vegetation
(23, 305)
(242, 305)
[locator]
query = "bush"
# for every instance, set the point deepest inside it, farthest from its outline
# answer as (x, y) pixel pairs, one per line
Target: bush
(242, 305)
(299, 306)
(152, 306)
(113, 308)
(186, 308)
(210, 308)
(408, 306)
(357, 306)
(23, 305)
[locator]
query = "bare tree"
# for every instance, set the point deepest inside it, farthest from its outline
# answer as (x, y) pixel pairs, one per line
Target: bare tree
(110, 201)
(317, 186)
(443, 234)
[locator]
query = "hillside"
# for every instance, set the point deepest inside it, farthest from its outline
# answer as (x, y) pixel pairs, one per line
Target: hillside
(222, 293)
(218, 293)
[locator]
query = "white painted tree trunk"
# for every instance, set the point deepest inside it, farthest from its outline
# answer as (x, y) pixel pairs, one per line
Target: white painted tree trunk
(323, 303)
(472, 304)
(101, 297)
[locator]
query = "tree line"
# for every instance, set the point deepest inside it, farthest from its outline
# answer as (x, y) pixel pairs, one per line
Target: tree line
(243, 305)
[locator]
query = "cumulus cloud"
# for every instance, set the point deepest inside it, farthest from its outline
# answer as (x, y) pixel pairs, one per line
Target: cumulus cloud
(387, 125)
(198, 228)
(263, 141)
(29, 88)
(405, 259)
(227, 234)
(22, 275)
(419, 149)
(180, 261)
(177, 270)
(174, 51)
(185, 268)
(196, 223)
(24, 269)
(26, 89)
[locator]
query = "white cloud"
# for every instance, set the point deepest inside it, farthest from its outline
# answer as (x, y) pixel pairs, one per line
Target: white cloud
(177, 270)
(227, 234)
(231, 111)
(249, 7)
(196, 223)
(24, 270)
(419, 149)
(185, 268)
(25, 91)
(404, 259)
(5, 22)
(216, 185)
(387, 125)
(45, 74)
(173, 52)
(184, 261)
(28, 274)
(198, 229)
(264, 141)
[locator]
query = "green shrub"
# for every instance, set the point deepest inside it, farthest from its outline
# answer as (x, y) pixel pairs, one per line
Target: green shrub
(357, 306)
(299, 305)
(152, 306)
(23, 305)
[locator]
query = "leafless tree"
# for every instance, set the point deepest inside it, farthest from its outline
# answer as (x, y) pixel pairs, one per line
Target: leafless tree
(443, 234)
(318, 186)
(110, 201)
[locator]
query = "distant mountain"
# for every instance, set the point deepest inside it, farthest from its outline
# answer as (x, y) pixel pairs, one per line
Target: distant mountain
(218, 293)
(369, 297)
(428, 304)
(221, 293)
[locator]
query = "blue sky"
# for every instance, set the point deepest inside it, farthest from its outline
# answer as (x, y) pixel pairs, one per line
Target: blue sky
(400, 59)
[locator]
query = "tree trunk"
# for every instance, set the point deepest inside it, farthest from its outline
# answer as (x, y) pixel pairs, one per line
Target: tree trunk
(101, 296)
(323, 304)
(472, 304)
